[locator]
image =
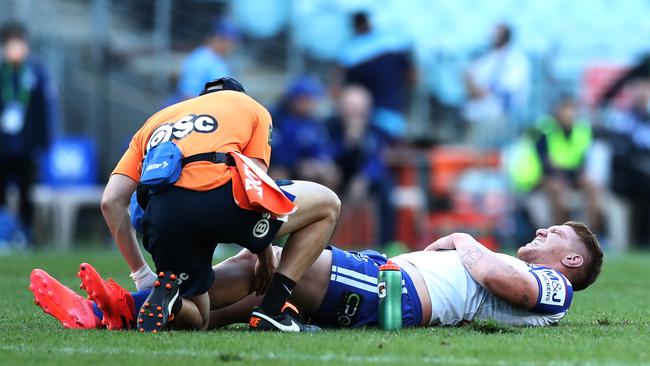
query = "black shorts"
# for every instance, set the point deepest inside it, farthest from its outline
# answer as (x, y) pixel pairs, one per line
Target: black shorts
(182, 228)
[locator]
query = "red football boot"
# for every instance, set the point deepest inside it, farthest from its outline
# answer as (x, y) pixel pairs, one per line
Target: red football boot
(57, 300)
(112, 299)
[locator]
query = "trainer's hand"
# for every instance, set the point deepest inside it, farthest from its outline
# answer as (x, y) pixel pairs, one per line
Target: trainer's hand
(265, 267)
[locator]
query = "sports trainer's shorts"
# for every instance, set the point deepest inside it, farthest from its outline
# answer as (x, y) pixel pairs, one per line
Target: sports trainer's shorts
(352, 300)
(182, 228)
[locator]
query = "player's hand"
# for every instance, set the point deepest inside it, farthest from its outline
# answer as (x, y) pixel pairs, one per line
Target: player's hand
(444, 243)
(265, 267)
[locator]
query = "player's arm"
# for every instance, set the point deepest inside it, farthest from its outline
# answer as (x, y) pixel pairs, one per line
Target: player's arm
(512, 285)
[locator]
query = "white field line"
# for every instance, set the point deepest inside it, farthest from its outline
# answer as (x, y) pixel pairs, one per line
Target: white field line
(271, 356)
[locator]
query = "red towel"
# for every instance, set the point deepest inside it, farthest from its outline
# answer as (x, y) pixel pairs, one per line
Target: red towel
(254, 190)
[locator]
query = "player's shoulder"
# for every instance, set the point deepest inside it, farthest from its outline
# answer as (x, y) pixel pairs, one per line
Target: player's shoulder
(514, 261)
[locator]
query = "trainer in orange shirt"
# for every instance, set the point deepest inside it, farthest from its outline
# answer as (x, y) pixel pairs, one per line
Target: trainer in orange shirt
(184, 220)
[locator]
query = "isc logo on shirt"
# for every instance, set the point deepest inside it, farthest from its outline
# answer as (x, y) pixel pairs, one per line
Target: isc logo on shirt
(553, 291)
(201, 123)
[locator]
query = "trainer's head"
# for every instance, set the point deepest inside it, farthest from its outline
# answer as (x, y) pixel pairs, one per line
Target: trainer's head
(222, 84)
(570, 248)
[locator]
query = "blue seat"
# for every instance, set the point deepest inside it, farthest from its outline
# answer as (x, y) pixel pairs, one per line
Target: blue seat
(68, 182)
(71, 161)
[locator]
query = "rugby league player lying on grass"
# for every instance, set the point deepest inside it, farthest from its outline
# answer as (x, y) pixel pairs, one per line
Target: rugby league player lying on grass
(454, 280)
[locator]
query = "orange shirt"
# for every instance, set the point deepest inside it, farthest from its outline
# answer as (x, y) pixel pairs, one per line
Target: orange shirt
(221, 121)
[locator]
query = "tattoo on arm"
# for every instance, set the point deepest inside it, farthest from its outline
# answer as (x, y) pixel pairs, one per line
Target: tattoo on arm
(471, 256)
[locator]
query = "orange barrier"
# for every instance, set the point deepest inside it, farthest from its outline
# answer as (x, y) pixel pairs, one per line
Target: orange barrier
(448, 162)
(480, 226)
(356, 227)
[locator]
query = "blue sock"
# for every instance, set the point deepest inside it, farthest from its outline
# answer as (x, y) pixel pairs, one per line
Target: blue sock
(138, 298)
(98, 313)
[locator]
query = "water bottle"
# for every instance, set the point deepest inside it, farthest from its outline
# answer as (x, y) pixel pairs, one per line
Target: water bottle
(389, 287)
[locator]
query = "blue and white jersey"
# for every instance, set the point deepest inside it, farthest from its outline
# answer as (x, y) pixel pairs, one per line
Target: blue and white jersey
(456, 297)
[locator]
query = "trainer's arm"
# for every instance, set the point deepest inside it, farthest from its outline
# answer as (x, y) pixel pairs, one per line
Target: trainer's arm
(115, 208)
(490, 270)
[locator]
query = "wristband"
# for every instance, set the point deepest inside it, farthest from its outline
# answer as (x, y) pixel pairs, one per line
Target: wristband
(143, 277)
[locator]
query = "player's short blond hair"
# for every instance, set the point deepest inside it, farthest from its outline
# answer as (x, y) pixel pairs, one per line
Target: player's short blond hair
(593, 256)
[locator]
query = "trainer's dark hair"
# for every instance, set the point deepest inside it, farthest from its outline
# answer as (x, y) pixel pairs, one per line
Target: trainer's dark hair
(225, 83)
(594, 256)
(12, 30)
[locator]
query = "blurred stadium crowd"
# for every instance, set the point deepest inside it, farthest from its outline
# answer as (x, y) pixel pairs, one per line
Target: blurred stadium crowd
(426, 117)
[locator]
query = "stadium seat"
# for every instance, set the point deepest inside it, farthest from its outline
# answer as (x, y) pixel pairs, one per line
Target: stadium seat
(68, 182)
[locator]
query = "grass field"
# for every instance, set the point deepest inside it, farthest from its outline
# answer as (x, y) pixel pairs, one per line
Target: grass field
(607, 325)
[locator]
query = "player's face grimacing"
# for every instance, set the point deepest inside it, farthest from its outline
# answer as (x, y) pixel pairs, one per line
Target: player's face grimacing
(548, 244)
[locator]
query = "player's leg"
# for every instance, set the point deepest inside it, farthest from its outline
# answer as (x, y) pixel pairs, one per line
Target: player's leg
(117, 306)
(194, 314)
(308, 295)
(65, 305)
(310, 229)
(236, 313)
(116, 303)
(234, 279)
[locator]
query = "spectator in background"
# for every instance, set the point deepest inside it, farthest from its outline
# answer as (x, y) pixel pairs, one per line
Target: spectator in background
(305, 151)
(26, 98)
(207, 62)
(381, 63)
(358, 152)
(629, 136)
(562, 148)
(498, 85)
